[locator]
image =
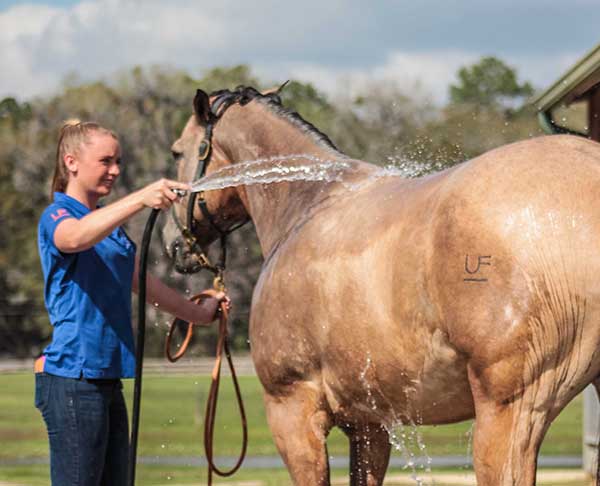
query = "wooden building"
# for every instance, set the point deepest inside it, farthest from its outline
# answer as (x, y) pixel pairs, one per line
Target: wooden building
(572, 104)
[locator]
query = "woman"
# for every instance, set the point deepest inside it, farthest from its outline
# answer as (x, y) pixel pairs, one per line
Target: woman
(90, 268)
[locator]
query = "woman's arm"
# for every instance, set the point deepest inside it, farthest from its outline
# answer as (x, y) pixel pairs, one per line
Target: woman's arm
(74, 235)
(171, 301)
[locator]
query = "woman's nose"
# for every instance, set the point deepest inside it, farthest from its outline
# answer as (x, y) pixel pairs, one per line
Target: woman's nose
(114, 169)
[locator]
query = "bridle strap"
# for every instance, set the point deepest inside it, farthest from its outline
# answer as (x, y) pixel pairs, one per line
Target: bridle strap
(217, 109)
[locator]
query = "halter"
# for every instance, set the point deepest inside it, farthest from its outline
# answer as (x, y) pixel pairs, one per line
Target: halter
(217, 109)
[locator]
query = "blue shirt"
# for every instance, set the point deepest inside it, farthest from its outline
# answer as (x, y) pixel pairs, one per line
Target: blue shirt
(88, 297)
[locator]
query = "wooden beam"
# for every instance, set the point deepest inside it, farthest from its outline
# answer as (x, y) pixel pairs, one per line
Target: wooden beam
(594, 114)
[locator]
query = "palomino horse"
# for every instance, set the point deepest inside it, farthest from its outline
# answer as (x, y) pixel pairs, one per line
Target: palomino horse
(473, 292)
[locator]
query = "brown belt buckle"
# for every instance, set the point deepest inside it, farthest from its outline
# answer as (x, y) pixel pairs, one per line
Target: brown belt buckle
(38, 364)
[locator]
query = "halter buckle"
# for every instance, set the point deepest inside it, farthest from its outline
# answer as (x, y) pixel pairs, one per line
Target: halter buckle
(219, 283)
(203, 152)
(189, 238)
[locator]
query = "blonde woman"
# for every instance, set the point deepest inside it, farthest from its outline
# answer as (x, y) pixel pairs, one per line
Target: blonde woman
(90, 268)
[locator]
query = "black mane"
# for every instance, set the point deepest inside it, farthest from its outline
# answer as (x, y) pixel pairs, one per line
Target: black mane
(245, 94)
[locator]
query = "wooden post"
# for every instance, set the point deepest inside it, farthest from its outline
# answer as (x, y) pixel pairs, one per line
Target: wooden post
(591, 413)
(594, 114)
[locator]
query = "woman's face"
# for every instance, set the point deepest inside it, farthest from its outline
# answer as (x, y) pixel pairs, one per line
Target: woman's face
(96, 166)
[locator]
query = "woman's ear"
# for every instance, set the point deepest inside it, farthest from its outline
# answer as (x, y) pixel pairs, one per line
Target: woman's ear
(201, 106)
(70, 163)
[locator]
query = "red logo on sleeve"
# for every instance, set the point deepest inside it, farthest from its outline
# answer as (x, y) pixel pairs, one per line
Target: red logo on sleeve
(59, 214)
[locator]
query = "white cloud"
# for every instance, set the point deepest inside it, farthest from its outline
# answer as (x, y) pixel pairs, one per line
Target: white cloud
(20, 29)
(426, 73)
(336, 45)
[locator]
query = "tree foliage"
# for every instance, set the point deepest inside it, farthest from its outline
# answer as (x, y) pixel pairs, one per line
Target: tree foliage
(149, 107)
(489, 83)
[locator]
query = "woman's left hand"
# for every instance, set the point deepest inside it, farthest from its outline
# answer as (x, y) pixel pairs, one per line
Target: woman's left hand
(209, 306)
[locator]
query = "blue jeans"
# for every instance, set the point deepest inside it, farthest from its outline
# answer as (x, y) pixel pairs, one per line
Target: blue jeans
(87, 428)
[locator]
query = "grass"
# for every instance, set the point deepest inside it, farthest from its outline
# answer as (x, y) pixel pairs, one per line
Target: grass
(171, 425)
(164, 476)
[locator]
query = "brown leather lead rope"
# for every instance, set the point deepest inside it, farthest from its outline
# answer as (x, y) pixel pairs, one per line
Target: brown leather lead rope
(211, 403)
(188, 337)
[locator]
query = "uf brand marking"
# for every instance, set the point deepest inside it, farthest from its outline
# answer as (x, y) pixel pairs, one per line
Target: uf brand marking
(481, 260)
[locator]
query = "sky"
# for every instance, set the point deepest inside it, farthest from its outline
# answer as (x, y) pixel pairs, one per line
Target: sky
(338, 45)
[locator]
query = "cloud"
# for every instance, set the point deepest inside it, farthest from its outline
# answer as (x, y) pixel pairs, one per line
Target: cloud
(20, 29)
(333, 44)
(424, 73)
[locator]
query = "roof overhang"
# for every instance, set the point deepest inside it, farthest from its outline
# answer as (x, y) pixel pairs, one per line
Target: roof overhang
(574, 84)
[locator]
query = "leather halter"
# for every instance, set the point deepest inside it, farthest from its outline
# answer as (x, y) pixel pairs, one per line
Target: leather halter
(217, 109)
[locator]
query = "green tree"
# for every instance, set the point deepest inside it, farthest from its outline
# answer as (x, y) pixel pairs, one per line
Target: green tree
(489, 83)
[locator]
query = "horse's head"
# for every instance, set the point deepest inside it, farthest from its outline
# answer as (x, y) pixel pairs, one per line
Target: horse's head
(229, 127)
(201, 218)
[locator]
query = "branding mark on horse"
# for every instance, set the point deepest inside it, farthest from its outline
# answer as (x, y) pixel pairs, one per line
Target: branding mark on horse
(481, 260)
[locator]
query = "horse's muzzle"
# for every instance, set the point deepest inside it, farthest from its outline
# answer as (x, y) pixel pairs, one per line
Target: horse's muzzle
(184, 260)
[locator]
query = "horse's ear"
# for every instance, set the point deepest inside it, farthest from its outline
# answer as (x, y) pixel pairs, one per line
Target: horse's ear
(276, 91)
(201, 106)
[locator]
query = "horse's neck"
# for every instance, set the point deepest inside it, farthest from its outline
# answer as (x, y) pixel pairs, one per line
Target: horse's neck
(277, 207)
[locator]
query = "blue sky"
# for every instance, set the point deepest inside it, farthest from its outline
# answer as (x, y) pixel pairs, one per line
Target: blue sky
(339, 45)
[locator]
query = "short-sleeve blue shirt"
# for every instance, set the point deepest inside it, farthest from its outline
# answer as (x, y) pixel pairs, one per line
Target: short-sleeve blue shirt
(88, 297)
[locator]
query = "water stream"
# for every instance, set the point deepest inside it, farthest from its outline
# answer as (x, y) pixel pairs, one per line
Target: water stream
(288, 168)
(305, 167)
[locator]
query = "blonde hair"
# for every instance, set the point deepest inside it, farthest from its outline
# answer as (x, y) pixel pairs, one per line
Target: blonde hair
(73, 134)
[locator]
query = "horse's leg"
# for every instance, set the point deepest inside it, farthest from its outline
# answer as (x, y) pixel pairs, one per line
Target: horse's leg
(300, 422)
(507, 434)
(369, 454)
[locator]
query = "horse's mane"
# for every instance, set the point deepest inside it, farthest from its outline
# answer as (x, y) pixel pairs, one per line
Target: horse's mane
(245, 94)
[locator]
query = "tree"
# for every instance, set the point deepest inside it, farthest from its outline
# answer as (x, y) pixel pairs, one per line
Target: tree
(490, 84)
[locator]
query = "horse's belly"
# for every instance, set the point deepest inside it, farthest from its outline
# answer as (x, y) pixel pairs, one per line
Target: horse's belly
(396, 380)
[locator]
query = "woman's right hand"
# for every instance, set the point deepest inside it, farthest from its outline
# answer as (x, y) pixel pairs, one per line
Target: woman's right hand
(160, 195)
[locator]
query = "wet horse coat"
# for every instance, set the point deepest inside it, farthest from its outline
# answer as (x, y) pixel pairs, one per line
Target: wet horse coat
(473, 292)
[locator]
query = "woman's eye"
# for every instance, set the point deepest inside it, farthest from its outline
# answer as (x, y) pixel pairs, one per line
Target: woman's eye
(176, 156)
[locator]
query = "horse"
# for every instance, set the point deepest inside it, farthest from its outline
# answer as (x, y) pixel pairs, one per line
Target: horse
(468, 293)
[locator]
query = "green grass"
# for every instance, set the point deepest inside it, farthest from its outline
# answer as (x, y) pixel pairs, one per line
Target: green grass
(165, 476)
(171, 425)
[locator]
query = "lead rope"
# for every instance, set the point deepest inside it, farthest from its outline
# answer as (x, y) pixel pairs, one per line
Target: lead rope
(211, 403)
